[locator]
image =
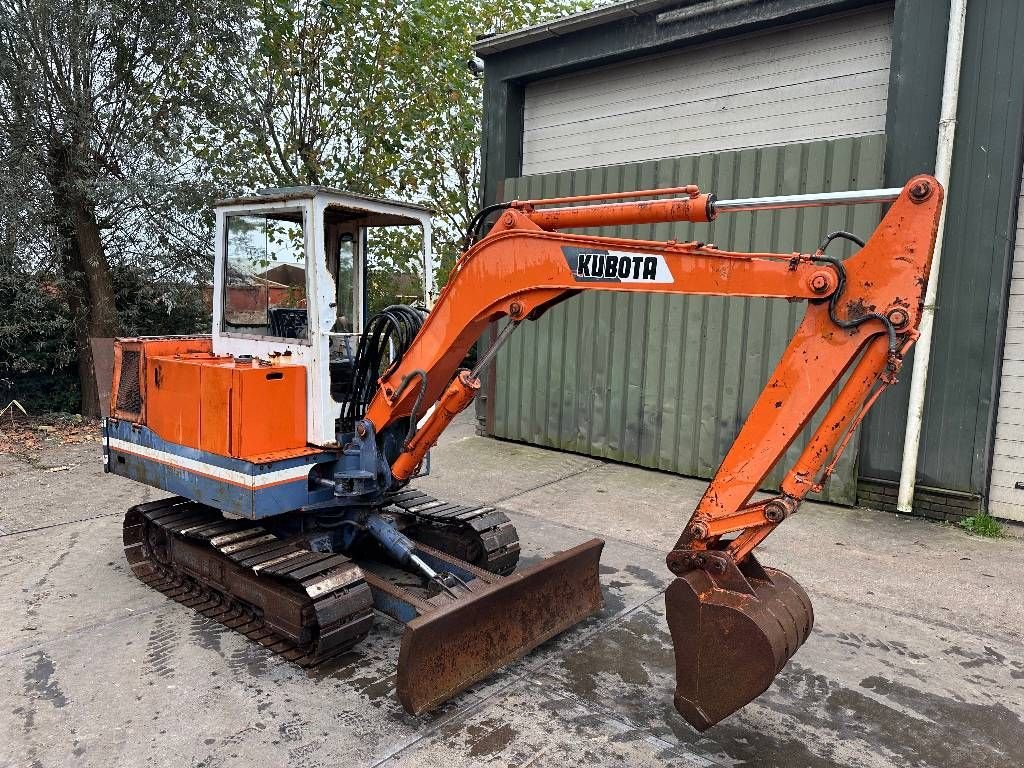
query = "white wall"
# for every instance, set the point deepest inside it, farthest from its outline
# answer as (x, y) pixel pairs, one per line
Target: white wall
(825, 79)
(1008, 455)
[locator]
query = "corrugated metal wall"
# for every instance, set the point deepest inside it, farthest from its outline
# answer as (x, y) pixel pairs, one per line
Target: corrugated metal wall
(824, 79)
(963, 382)
(666, 381)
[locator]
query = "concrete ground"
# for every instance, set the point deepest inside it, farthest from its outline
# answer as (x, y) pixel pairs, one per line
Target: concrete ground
(915, 660)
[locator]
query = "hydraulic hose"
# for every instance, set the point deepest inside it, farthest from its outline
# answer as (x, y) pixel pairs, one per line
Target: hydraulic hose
(396, 326)
(833, 301)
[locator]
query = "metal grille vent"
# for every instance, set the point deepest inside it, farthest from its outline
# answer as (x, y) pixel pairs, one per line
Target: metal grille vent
(129, 393)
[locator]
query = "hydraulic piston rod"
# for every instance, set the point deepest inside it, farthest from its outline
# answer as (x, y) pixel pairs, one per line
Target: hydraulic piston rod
(812, 200)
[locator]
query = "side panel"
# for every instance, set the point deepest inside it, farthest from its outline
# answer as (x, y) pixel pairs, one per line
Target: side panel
(215, 428)
(217, 404)
(247, 489)
(128, 389)
(173, 399)
(268, 410)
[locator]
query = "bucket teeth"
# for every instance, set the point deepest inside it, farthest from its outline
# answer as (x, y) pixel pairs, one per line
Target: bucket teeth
(729, 645)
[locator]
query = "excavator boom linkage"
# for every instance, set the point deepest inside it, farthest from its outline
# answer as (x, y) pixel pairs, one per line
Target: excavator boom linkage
(734, 624)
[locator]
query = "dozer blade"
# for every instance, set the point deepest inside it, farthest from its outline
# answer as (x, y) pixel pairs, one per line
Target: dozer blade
(446, 651)
(730, 643)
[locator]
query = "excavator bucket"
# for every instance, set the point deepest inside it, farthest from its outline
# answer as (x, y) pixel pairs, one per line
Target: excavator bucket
(732, 635)
(446, 651)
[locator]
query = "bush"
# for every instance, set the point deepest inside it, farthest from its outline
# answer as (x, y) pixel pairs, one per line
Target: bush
(37, 351)
(38, 365)
(153, 308)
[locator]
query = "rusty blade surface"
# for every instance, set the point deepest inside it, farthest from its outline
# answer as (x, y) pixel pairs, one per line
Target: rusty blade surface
(448, 650)
(730, 645)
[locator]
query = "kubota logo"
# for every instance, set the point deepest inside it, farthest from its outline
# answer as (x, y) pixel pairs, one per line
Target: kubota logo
(596, 264)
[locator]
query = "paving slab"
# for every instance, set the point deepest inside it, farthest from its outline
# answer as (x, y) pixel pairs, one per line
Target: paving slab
(467, 471)
(113, 674)
(536, 724)
(62, 484)
(64, 578)
(916, 658)
(898, 692)
(875, 558)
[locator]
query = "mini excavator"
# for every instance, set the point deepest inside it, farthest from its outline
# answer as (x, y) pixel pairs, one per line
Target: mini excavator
(289, 436)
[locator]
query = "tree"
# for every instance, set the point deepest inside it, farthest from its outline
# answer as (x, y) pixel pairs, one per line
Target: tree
(85, 88)
(373, 97)
(121, 121)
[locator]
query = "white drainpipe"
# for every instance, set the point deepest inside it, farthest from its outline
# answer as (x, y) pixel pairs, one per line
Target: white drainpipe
(943, 164)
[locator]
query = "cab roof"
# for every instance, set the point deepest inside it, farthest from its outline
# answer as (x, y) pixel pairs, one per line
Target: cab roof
(378, 210)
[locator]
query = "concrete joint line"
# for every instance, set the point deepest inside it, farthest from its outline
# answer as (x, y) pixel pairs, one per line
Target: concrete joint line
(78, 631)
(537, 487)
(596, 708)
(592, 534)
(58, 525)
(947, 625)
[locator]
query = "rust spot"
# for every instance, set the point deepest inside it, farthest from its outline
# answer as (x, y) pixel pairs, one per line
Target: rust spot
(856, 309)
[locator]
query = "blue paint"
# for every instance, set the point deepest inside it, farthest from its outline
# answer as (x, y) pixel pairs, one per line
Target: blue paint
(396, 543)
(394, 607)
(247, 502)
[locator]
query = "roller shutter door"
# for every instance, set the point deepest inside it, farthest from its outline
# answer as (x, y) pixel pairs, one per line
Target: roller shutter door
(822, 80)
(1005, 498)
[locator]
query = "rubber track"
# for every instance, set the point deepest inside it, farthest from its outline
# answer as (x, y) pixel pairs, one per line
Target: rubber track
(327, 606)
(439, 523)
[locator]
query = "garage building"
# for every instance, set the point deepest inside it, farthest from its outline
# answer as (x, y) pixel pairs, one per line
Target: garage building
(752, 98)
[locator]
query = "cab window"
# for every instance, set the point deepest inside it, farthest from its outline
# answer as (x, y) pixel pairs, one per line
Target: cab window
(265, 275)
(345, 276)
(394, 267)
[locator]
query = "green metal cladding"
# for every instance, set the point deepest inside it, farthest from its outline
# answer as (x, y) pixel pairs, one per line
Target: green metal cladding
(667, 381)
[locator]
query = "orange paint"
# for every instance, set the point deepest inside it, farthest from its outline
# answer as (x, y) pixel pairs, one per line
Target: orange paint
(173, 399)
(268, 409)
(196, 399)
(690, 190)
(131, 355)
(215, 408)
(696, 209)
(456, 398)
(519, 267)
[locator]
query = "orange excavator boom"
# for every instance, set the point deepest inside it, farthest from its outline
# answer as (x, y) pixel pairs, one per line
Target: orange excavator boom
(734, 623)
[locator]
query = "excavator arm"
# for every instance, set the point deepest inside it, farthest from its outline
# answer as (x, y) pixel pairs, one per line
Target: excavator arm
(734, 623)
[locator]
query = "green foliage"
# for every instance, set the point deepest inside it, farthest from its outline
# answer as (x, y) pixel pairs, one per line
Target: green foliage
(150, 308)
(36, 340)
(371, 97)
(982, 525)
(37, 344)
(394, 268)
(156, 108)
(93, 177)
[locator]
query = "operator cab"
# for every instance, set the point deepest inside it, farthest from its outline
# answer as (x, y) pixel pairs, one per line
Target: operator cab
(299, 271)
